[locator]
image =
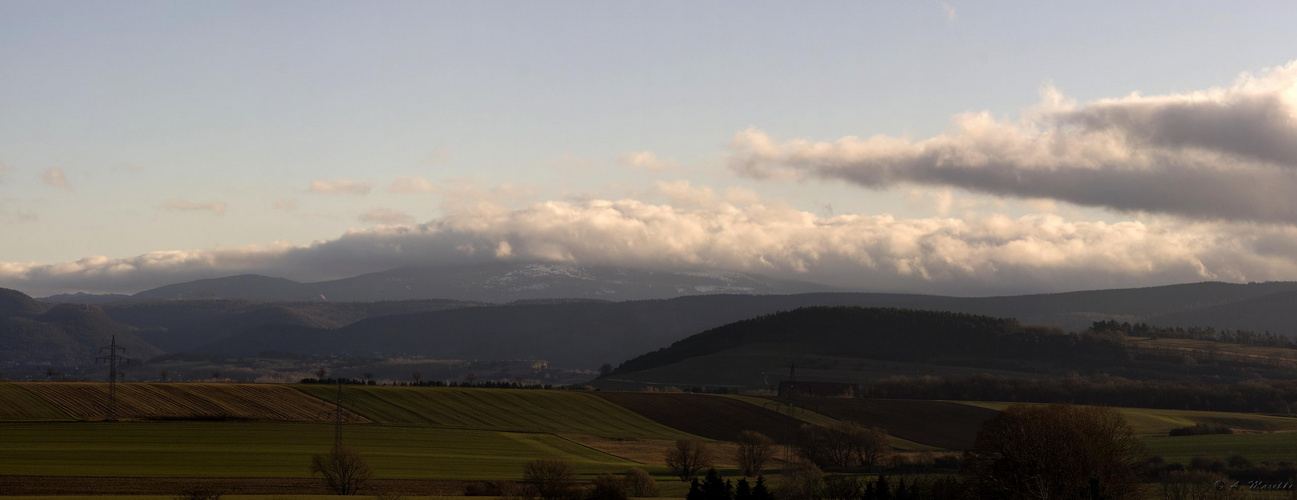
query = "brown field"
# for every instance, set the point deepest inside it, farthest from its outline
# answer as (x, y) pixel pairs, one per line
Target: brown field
(652, 451)
(952, 426)
(150, 401)
(712, 417)
(17, 404)
(87, 485)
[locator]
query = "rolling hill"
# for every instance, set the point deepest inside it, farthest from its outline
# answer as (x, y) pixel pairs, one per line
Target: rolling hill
(62, 334)
(495, 282)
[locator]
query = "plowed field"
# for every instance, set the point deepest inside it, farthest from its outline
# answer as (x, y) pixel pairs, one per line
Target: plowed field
(560, 412)
(713, 417)
(943, 424)
(17, 403)
(137, 401)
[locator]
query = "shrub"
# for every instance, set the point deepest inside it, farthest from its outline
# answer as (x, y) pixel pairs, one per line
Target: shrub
(754, 451)
(607, 487)
(345, 470)
(639, 483)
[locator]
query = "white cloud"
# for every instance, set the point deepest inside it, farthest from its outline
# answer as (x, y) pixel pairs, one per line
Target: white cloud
(1224, 153)
(984, 253)
(646, 160)
(412, 184)
(215, 207)
(54, 176)
(949, 11)
(340, 186)
(386, 216)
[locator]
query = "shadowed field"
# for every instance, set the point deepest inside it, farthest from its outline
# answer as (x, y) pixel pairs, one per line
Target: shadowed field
(242, 449)
(188, 401)
(943, 424)
(521, 410)
(709, 416)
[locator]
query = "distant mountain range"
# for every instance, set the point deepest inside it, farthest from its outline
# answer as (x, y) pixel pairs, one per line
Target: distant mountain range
(495, 282)
(32, 333)
(571, 316)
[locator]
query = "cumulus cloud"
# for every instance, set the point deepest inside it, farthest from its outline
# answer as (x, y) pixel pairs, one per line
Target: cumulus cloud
(54, 176)
(985, 253)
(386, 216)
(340, 186)
(645, 160)
(1223, 153)
(216, 207)
(412, 184)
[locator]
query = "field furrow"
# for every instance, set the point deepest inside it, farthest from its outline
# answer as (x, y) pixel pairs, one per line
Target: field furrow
(18, 404)
(141, 401)
(560, 412)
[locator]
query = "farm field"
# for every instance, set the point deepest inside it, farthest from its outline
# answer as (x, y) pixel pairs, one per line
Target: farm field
(269, 449)
(1256, 447)
(188, 401)
(522, 410)
(1159, 422)
(709, 416)
(816, 418)
(19, 404)
(942, 424)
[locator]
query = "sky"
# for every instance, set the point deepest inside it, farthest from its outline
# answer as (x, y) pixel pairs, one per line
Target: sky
(962, 148)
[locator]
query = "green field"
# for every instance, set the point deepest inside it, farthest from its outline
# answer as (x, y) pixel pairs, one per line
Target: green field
(18, 404)
(1256, 447)
(265, 449)
(1158, 422)
(559, 412)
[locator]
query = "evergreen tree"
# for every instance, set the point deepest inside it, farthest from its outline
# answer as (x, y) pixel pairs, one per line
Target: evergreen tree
(882, 490)
(760, 491)
(714, 487)
(743, 491)
(695, 490)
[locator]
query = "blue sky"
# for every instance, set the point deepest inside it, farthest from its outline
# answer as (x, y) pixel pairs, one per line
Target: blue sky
(159, 141)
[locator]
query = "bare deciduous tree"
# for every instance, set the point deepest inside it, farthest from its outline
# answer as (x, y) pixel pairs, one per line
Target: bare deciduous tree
(345, 470)
(1055, 451)
(550, 478)
(754, 451)
(640, 483)
(688, 457)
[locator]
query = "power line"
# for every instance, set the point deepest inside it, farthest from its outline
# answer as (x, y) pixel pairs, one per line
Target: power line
(112, 359)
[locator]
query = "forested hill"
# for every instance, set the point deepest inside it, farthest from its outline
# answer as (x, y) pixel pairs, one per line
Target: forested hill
(890, 334)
